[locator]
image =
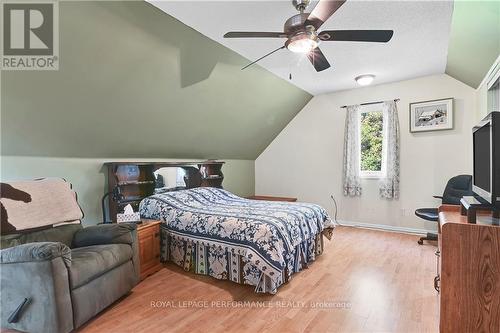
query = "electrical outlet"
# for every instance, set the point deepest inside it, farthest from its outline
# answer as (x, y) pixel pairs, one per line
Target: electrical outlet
(406, 212)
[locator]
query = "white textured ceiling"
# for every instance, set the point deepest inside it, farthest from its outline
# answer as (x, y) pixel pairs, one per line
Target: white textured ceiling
(419, 45)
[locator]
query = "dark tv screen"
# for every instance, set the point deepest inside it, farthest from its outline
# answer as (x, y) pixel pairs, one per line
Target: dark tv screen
(482, 158)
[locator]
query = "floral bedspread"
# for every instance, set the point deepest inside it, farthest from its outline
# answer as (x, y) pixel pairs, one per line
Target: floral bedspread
(266, 233)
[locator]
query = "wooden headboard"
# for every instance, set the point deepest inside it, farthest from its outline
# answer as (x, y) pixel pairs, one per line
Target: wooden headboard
(134, 181)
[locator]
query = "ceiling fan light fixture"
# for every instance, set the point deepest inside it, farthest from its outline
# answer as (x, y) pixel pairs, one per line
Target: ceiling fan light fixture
(365, 80)
(303, 42)
(304, 45)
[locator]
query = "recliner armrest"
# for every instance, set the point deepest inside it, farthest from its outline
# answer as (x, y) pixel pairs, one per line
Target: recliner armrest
(38, 251)
(38, 271)
(122, 233)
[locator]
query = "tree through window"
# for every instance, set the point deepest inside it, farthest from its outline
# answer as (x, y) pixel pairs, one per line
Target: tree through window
(371, 141)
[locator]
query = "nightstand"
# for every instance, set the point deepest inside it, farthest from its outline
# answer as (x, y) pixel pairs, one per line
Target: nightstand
(149, 247)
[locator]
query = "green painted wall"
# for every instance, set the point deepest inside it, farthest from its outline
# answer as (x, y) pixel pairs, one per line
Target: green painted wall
(135, 82)
(87, 176)
(474, 40)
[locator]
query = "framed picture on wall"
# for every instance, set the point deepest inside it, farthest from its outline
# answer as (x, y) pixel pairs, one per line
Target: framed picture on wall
(431, 115)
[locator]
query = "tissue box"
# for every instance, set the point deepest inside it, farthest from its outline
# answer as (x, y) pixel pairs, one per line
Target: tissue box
(132, 217)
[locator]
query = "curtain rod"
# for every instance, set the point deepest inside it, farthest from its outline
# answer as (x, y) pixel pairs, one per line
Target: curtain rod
(370, 103)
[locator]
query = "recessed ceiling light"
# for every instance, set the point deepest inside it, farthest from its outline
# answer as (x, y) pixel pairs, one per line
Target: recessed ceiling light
(364, 80)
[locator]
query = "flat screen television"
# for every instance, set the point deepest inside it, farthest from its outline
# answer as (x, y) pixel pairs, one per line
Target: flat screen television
(486, 174)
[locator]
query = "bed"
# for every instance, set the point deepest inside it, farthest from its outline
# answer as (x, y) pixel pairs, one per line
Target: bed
(213, 232)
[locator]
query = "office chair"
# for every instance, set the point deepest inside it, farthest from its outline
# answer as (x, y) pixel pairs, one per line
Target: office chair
(456, 188)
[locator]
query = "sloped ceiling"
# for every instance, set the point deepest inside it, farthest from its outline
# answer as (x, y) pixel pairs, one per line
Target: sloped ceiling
(474, 41)
(135, 82)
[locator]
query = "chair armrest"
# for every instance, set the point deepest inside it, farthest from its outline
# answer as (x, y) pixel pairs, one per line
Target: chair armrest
(39, 272)
(39, 251)
(122, 233)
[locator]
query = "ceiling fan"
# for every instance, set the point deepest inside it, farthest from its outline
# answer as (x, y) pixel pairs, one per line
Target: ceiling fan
(301, 32)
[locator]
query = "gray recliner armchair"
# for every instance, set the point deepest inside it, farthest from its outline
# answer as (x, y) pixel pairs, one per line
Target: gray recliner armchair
(67, 274)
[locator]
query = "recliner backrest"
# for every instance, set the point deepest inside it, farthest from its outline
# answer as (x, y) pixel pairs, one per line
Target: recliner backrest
(42, 210)
(63, 234)
(456, 188)
(37, 204)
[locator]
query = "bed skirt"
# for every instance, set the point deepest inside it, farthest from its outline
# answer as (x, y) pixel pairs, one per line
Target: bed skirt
(229, 263)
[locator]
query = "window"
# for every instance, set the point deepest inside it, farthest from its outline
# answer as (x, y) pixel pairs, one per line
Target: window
(371, 142)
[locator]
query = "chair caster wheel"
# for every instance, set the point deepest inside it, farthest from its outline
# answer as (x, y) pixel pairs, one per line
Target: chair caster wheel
(420, 242)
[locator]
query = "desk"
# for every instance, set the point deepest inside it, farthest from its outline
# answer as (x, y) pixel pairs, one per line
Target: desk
(468, 272)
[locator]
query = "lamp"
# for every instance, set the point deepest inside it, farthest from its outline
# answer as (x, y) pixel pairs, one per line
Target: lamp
(116, 196)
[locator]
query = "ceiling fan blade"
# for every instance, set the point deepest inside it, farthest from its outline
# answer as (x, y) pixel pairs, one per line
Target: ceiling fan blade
(318, 59)
(268, 54)
(250, 34)
(381, 36)
(322, 12)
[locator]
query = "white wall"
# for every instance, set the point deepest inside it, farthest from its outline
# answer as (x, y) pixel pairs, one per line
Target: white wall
(305, 159)
(482, 91)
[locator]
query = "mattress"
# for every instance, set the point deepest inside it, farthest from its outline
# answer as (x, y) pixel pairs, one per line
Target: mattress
(214, 232)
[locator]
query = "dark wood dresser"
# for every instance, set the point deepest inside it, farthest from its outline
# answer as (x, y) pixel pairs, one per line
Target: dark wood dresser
(468, 272)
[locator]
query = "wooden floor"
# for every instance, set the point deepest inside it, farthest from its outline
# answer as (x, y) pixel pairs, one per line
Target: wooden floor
(366, 281)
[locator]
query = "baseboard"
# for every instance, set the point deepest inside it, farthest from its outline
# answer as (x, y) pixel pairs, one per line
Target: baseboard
(406, 230)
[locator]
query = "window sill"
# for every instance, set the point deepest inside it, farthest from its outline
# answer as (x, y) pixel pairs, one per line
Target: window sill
(371, 176)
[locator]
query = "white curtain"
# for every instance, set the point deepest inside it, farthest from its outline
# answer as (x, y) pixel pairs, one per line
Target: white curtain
(351, 181)
(389, 184)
